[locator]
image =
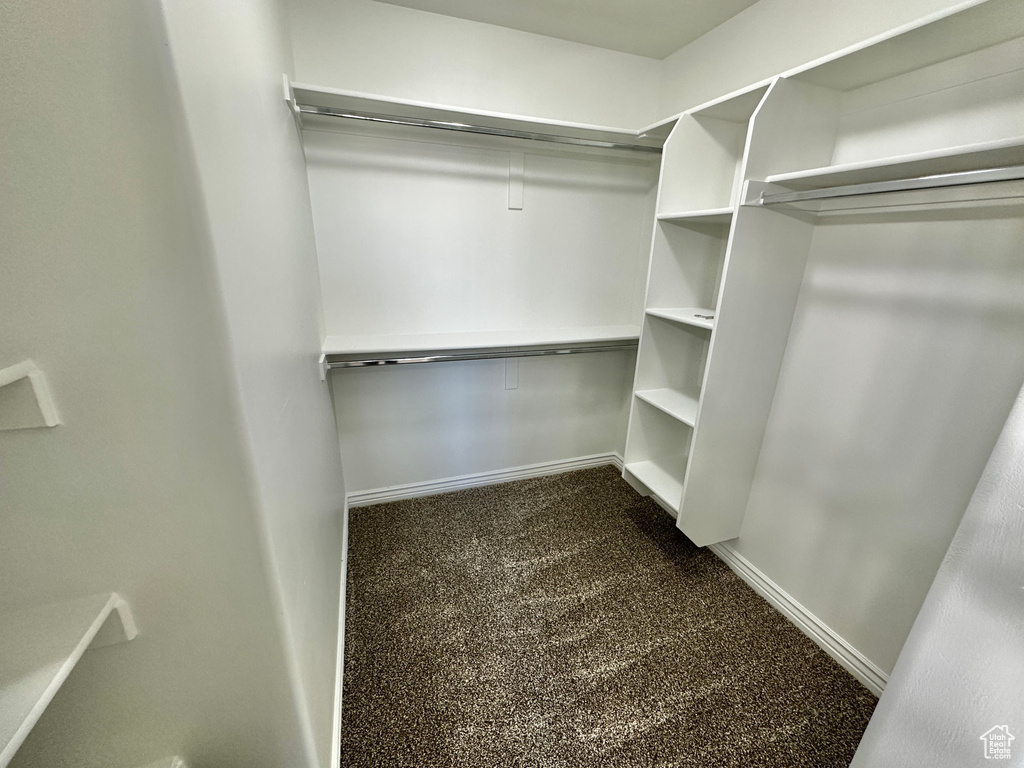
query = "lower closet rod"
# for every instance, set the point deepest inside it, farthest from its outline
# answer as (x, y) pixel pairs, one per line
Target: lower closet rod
(492, 355)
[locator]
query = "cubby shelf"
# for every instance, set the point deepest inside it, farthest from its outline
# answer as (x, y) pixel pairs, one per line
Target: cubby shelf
(673, 402)
(993, 154)
(38, 649)
(709, 216)
(660, 482)
(696, 316)
(425, 342)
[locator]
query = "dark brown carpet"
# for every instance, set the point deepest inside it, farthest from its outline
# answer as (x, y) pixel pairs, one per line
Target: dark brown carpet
(565, 622)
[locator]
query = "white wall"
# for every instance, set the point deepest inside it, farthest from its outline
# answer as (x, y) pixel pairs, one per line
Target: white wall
(962, 669)
(229, 57)
(107, 282)
(385, 49)
(415, 236)
(773, 36)
(903, 359)
(419, 423)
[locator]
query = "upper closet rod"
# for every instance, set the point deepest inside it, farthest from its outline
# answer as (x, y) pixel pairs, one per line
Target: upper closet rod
(898, 185)
(466, 128)
(491, 355)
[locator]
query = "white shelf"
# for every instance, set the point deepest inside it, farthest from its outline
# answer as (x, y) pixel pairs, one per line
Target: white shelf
(709, 216)
(673, 402)
(426, 342)
(658, 481)
(695, 316)
(38, 649)
(994, 154)
(335, 98)
(951, 32)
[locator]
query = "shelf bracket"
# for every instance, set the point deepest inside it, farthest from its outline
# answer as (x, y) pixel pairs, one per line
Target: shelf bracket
(293, 107)
(32, 406)
(118, 627)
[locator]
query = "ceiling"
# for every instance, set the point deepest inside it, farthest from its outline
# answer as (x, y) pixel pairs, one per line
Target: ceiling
(653, 28)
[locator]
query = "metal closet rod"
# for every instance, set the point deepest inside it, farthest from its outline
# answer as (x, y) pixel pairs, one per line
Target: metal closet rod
(467, 128)
(986, 176)
(491, 355)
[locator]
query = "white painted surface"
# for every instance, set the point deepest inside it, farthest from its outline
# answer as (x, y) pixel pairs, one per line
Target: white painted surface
(25, 398)
(903, 359)
(698, 317)
(229, 57)
(709, 215)
(656, 451)
(144, 489)
(417, 238)
(480, 479)
(660, 479)
(339, 678)
(653, 28)
(970, 100)
(961, 671)
(956, 115)
(673, 402)
(686, 264)
(763, 268)
(968, 157)
(422, 423)
(422, 342)
(346, 100)
(377, 48)
(418, 249)
(701, 159)
(39, 647)
(672, 356)
(827, 639)
(769, 38)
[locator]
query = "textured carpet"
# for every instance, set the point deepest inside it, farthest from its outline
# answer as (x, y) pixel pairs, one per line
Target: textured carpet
(564, 621)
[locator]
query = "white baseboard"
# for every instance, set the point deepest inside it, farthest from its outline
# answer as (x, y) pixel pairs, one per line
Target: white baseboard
(431, 487)
(873, 678)
(339, 679)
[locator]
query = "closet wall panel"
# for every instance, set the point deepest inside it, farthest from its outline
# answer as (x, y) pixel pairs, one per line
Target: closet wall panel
(903, 361)
(417, 236)
(419, 233)
(419, 423)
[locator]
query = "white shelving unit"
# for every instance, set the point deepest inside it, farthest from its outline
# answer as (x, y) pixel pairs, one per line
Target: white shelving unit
(938, 99)
(38, 649)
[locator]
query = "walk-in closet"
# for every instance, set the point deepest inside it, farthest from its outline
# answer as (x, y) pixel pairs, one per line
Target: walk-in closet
(436, 382)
